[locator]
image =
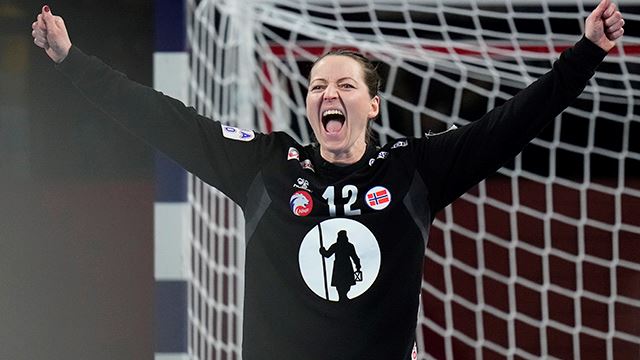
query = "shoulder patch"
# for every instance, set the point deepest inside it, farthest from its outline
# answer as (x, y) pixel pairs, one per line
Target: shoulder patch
(400, 143)
(293, 154)
(431, 133)
(381, 155)
(235, 133)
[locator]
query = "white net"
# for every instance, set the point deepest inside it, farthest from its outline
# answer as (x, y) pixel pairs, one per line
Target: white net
(540, 260)
(216, 279)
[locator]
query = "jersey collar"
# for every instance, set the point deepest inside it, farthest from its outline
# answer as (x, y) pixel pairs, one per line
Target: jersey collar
(336, 172)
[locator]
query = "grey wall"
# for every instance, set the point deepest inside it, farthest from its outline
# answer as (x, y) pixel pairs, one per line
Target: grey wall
(76, 194)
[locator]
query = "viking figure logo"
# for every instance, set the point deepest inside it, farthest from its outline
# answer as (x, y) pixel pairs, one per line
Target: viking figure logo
(339, 259)
(343, 276)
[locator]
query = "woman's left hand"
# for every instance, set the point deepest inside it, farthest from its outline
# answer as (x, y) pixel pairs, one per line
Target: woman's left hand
(604, 25)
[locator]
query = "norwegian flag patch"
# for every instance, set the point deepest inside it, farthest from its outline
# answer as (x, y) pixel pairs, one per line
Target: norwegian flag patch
(378, 198)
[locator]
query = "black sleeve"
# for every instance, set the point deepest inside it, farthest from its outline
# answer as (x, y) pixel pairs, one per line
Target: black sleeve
(456, 160)
(200, 145)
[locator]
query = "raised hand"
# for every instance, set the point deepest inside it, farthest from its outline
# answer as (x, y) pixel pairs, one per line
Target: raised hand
(604, 25)
(50, 33)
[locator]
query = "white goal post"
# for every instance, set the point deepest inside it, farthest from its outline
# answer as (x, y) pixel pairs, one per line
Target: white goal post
(541, 260)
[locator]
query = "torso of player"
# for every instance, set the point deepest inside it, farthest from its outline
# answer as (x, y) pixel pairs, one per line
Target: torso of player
(332, 245)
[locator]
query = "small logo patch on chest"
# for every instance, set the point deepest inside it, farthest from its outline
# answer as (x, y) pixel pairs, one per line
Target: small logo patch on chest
(301, 203)
(306, 164)
(293, 154)
(378, 198)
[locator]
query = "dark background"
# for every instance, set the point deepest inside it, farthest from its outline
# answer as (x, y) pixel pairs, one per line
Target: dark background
(76, 193)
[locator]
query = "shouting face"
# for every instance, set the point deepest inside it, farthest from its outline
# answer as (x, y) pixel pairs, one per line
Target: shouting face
(339, 108)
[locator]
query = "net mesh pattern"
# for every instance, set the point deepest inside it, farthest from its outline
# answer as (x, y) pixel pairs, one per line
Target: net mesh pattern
(540, 260)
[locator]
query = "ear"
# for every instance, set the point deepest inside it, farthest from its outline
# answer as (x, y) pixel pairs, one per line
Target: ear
(374, 107)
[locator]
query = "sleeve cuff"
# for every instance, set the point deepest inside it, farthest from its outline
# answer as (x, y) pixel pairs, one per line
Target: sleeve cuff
(588, 53)
(74, 65)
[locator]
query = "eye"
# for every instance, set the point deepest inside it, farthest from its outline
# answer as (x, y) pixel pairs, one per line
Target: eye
(315, 88)
(347, 86)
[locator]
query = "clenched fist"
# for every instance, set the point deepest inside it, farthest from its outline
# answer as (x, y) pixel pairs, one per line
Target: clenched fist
(50, 33)
(604, 25)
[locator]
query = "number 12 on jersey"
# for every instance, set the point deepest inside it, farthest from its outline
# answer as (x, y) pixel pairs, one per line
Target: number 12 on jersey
(349, 194)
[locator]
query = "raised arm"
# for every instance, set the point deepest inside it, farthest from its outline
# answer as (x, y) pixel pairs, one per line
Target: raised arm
(202, 146)
(456, 160)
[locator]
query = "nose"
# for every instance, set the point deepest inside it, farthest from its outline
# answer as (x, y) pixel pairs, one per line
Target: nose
(330, 93)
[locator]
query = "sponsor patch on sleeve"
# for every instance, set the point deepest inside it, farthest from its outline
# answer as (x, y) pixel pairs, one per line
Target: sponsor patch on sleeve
(235, 133)
(401, 143)
(431, 133)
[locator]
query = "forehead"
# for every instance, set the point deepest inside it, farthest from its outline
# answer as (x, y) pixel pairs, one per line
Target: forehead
(335, 67)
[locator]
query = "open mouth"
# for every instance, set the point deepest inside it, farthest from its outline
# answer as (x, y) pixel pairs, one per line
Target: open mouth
(333, 120)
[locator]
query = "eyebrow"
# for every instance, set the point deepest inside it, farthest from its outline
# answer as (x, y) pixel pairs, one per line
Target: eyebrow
(341, 79)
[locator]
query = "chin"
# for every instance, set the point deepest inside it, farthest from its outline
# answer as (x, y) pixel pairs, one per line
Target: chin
(334, 145)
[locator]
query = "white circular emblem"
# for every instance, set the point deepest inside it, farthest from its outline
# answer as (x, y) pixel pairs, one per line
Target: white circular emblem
(339, 259)
(378, 198)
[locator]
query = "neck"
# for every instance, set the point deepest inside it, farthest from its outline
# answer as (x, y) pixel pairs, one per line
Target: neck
(344, 158)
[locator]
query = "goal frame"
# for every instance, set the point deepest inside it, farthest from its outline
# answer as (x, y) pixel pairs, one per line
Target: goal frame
(477, 198)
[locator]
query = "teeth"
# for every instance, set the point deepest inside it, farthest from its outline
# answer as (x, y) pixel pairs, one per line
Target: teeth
(332, 112)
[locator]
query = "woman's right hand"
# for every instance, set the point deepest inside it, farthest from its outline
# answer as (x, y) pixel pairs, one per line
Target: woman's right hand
(50, 33)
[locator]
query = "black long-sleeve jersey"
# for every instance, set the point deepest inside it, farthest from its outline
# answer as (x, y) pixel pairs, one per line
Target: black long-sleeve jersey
(302, 300)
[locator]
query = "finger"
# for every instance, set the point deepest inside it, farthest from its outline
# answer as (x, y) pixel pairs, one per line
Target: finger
(41, 43)
(615, 27)
(616, 34)
(599, 10)
(38, 36)
(39, 33)
(40, 22)
(50, 20)
(617, 16)
(37, 25)
(53, 23)
(611, 9)
(48, 17)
